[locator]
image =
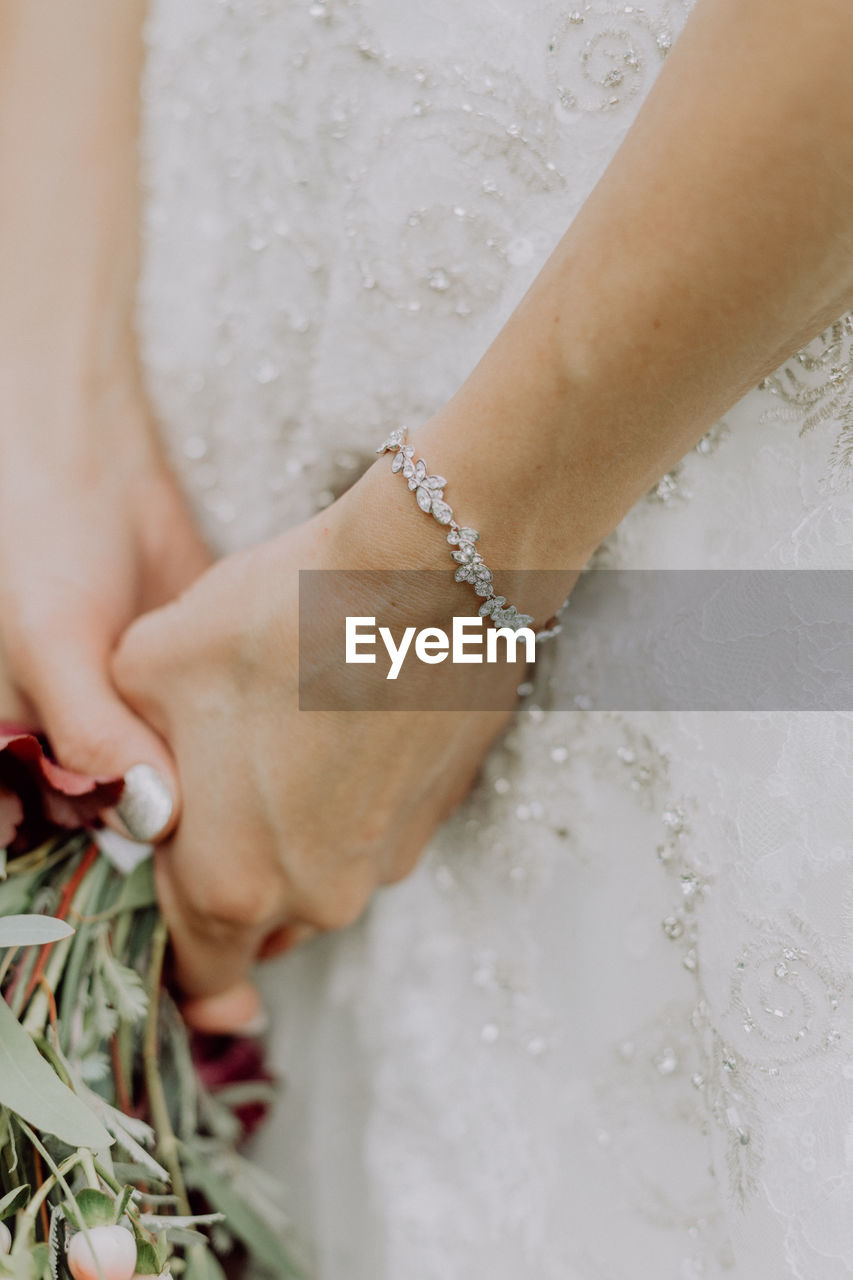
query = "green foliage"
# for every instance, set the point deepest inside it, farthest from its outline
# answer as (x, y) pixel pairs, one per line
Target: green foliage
(33, 1090)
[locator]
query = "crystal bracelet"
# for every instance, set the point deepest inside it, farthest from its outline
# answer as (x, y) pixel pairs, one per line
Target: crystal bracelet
(429, 492)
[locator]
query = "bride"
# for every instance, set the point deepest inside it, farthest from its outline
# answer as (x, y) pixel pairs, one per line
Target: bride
(602, 1023)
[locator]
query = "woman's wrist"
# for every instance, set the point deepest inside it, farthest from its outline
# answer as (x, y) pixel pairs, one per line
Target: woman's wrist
(74, 424)
(379, 525)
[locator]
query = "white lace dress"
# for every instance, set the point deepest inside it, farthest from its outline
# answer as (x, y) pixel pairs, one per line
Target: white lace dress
(606, 1029)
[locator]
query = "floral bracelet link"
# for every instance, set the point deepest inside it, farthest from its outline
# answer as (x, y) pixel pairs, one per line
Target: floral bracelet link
(429, 492)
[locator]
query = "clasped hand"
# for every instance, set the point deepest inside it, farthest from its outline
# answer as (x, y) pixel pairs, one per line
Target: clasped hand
(289, 819)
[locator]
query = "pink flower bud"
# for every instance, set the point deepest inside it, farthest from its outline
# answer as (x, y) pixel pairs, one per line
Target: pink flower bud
(5, 1238)
(112, 1248)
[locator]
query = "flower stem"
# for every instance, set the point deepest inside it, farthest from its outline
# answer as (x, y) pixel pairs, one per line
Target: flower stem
(167, 1142)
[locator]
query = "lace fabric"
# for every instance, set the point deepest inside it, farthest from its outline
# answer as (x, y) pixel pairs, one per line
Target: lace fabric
(608, 1019)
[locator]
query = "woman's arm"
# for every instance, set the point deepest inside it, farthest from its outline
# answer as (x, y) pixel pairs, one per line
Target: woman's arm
(92, 528)
(69, 94)
(719, 240)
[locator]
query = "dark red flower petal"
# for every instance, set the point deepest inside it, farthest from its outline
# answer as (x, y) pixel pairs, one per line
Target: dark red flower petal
(37, 794)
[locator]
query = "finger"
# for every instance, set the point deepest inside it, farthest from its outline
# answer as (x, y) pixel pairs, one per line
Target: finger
(92, 731)
(174, 547)
(211, 956)
(285, 939)
(237, 1011)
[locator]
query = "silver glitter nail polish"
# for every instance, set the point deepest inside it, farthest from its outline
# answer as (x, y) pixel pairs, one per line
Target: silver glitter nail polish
(146, 802)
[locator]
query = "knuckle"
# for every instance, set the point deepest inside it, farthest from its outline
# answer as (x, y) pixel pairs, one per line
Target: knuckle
(401, 867)
(127, 663)
(78, 747)
(233, 905)
(26, 626)
(341, 906)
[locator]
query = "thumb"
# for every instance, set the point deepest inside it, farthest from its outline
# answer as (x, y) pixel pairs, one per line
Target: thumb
(92, 731)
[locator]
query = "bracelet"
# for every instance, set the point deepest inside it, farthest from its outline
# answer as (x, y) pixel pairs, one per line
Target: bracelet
(429, 492)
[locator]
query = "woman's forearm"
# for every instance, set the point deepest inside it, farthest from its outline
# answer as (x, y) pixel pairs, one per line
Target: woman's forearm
(69, 94)
(719, 240)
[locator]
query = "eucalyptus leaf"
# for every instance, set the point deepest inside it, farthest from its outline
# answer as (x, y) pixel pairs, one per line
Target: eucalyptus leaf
(32, 931)
(12, 1202)
(202, 1265)
(262, 1243)
(33, 1090)
(40, 1257)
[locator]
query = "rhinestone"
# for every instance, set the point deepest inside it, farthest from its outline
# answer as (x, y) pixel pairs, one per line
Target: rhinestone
(559, 755)
(626, 755)
(689, 885)
(502, 786)
(673, 819)
(666, 1061)
(439, 280)
(489, 1033)
(672, 927)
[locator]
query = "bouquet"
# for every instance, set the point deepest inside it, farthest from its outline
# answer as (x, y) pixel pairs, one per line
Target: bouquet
(119, 1129)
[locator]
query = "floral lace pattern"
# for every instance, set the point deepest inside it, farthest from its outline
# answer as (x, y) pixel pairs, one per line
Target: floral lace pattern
(610, 1015)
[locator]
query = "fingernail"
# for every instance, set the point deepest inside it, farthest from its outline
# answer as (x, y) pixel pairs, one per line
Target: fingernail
(145, 806)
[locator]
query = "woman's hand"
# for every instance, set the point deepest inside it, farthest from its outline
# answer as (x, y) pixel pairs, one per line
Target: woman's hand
(92, 527)
(292, 818)
(93, 531)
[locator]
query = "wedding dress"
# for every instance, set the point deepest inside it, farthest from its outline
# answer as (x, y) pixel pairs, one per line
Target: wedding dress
(605, 1030)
